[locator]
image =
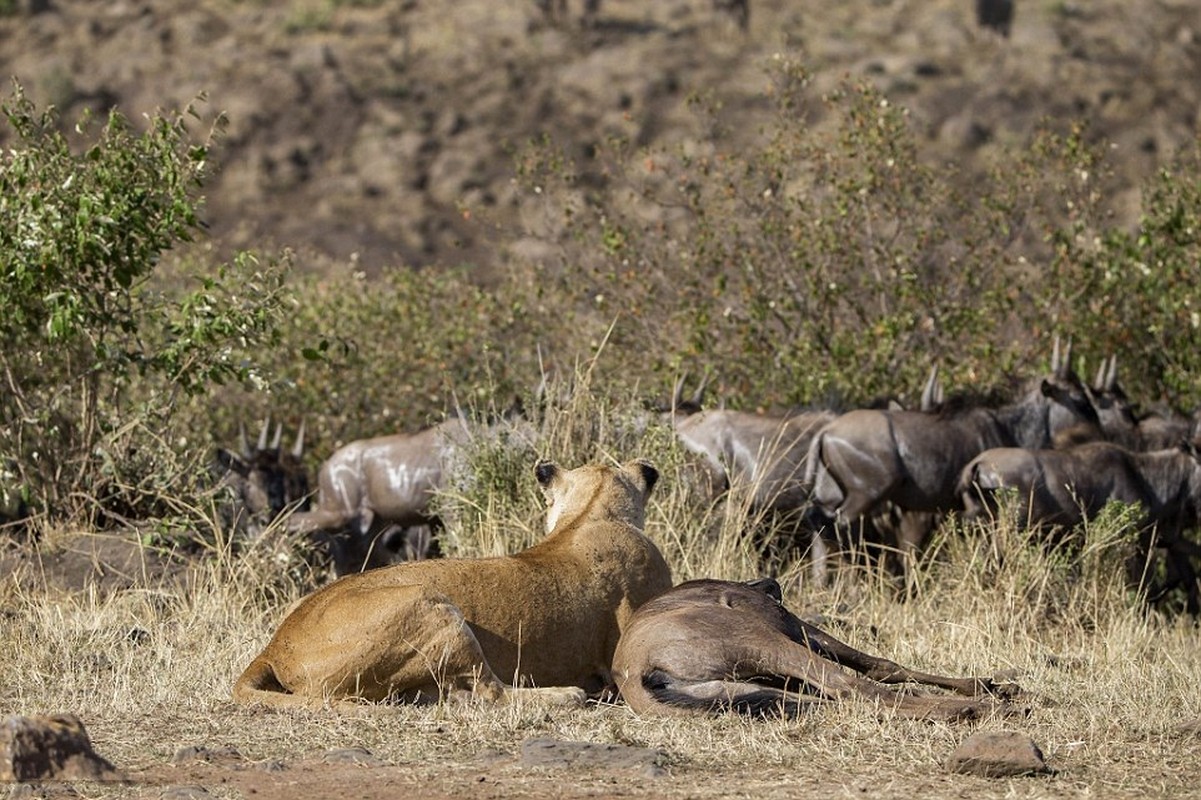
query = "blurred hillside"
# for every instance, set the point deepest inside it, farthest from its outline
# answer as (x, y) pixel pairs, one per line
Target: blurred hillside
(380, 132)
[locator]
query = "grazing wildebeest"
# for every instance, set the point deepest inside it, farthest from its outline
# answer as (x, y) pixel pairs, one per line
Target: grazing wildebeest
(865, 458)
(996, 15)
(718, 646)
(265, 480)
(370, 489)
(761, 455)
(556, 10)
(1059, 489)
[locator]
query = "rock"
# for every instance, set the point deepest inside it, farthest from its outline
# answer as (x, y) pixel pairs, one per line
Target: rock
(54, 747)
(203, 753)
(352, 755)
(186, 793)
(561, 754)
(998, 754)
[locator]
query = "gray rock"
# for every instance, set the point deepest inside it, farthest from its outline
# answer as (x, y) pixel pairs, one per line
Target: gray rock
(53, 747)
(998, 754)
(352, 755)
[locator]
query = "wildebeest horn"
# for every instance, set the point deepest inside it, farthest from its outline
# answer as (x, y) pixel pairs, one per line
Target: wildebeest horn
(298, 447)
(1099, 381)
(262, 443)
(931, 392)
(677, 394)
(279, 436)
(1066, 366)
(699, 394)
(1055, 356)
(243, 442)
(1111, 377)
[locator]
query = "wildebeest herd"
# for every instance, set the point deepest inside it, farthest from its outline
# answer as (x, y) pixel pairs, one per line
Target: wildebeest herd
(819, 481)
(597, 586)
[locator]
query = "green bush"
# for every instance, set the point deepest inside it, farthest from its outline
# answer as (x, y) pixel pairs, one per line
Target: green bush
(827, 263)
(96, 354)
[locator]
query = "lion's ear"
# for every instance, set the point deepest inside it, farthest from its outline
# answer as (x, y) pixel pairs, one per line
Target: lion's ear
(545, 472)
(650, 475)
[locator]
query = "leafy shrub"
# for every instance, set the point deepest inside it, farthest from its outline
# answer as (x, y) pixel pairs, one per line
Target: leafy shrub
(95, 353)
(828, 263)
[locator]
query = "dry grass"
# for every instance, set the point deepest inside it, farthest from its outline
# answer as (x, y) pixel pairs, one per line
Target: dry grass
(150, 667)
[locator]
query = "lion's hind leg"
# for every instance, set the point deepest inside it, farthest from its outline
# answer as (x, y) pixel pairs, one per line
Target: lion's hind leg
(369, 643)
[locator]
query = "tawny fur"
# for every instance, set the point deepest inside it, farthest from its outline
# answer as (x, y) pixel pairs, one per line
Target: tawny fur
(549, 616)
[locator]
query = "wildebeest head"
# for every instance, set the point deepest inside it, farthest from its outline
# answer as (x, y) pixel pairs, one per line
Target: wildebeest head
(266, 480)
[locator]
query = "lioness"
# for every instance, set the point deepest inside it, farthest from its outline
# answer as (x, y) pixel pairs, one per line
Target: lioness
(719, 646)
(549, 616)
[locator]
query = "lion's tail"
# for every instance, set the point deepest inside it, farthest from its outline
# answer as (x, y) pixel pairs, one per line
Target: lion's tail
(719, 697)
(258, 683)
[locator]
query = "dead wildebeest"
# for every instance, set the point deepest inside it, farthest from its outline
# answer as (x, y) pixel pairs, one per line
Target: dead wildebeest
(718, 646)
(1059, 489)
(865, 458)
(265, 480)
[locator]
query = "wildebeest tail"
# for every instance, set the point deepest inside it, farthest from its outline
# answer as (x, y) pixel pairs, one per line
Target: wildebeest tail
(720, 697)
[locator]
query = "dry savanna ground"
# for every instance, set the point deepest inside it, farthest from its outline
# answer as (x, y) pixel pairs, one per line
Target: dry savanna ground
(145, 647)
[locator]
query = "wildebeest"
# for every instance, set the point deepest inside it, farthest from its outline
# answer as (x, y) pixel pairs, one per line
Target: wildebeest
(1062, 488)
(374, 496)
(370, 489)
(865, 458)
(760, 455)
(265, 480)
(996, 15)
(556, 10)
(718, 646)
(1119, 421)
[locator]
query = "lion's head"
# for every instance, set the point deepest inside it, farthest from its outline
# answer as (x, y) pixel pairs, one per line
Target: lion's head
(617, 492)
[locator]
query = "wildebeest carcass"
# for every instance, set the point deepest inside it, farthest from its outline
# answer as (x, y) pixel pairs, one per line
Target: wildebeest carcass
(718, 646)
(1062, 488)
(865, 458)
(265, 480)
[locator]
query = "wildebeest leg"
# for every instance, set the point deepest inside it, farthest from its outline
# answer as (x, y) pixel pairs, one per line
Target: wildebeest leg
(850, 482)
(886, 671)
(1179, 555)
(827, 679)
